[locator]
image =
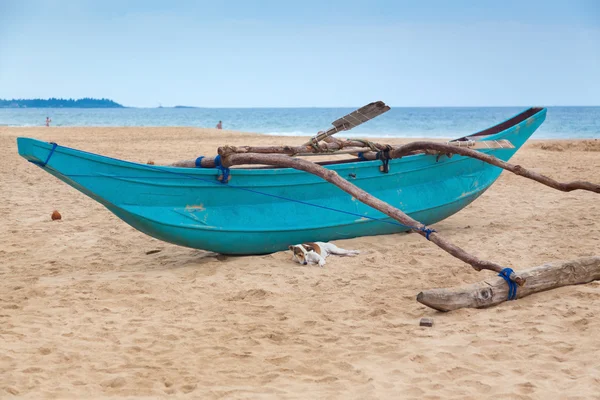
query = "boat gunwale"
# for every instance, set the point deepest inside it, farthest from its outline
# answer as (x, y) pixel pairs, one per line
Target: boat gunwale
(281, 171)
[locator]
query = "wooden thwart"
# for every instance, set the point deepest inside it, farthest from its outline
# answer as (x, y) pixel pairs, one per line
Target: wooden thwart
(494, 291)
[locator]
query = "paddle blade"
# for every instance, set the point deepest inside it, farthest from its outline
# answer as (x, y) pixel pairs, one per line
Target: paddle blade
(353, 119)
(360, 116)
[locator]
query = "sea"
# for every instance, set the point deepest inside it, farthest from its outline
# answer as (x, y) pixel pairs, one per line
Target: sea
(434, 122)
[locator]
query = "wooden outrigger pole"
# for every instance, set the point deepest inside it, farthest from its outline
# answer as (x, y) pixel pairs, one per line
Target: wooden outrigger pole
(282, 156)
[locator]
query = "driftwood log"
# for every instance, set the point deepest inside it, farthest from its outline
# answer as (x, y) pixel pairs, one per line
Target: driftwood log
(493, 291)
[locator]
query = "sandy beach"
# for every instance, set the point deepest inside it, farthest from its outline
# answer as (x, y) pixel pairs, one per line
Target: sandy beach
(85, 312)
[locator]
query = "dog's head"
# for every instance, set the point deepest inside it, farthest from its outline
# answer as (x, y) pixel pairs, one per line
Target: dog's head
(300, 251)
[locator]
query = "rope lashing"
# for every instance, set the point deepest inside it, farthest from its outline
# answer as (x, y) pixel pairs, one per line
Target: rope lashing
(512, 286)
(43, 164)
(315, 145)
(318, 149)
(384, 156)
(362, 156)
(199, 162)
(427, 231)
(224, 177)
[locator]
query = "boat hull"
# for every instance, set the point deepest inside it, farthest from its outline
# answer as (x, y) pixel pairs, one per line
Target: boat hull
(265, 210)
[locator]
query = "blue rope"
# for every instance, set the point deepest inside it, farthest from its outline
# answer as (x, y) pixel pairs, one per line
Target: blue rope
(43, 164)
(512, 286)
(199, 162)
(424, 229)
(427, 231)
(224, 170)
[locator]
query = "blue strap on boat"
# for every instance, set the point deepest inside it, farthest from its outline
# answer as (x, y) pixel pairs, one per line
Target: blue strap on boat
(512, 286)
(224, 170)
(384, 156)
(43, 164)
(199, 162)
(427, 231)
(362, 156)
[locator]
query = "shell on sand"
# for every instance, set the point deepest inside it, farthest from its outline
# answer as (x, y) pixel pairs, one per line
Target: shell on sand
(56, 215)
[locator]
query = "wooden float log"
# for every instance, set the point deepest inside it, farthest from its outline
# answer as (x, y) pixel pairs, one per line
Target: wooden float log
(493, 291)
(364, 197)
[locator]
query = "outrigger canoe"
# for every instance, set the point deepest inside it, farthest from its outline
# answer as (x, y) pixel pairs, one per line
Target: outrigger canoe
(263, 210)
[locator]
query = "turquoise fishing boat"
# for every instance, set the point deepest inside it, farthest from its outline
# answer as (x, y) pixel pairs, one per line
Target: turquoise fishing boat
(263, 210)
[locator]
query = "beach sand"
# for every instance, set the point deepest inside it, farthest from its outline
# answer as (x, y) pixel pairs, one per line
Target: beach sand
(86, 313)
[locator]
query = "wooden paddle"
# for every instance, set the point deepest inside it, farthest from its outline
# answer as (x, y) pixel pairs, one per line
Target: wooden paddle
(355, 118)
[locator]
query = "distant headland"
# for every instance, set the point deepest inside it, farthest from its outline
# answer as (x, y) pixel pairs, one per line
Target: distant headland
(86, 102)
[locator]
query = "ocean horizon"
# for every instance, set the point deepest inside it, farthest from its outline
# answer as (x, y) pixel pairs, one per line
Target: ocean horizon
(562, 122)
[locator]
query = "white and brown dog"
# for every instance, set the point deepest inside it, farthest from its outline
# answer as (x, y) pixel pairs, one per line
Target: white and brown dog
(315, 253)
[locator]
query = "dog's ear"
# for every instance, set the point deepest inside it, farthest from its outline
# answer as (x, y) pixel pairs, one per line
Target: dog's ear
(308, 247)
(291, 247)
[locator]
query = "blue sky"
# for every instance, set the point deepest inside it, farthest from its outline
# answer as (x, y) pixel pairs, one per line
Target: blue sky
(303, 53)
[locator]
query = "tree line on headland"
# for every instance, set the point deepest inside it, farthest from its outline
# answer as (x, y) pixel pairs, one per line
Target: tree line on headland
(86, 102)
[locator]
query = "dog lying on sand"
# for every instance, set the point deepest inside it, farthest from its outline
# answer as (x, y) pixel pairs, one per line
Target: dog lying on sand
(317, 252)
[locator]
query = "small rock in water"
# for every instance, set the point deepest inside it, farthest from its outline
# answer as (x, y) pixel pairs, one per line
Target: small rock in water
(426, 322)
(56, 215)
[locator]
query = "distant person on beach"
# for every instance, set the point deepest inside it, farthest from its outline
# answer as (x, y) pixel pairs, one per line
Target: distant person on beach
(219, 125)
(48, 120)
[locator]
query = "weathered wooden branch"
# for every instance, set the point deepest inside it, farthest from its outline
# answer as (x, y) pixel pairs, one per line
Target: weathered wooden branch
(364, 197)
(493, 291)
(334, 145)
(471, 144)
(409, 148)
(451, 148)
(322, 148)
(331, 147)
